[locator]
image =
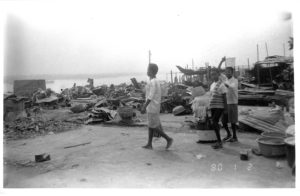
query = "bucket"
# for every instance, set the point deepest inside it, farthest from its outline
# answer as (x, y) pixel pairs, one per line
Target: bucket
(271, 147)
(274, 135)
(290, 150)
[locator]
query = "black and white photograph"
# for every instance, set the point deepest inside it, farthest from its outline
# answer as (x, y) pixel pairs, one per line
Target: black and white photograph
(148, 94)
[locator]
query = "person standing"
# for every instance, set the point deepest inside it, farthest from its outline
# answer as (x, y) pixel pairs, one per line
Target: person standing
(217, 104)
(152, 106)
(231, 83)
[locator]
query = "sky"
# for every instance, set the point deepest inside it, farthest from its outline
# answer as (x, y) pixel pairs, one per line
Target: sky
(114, 37)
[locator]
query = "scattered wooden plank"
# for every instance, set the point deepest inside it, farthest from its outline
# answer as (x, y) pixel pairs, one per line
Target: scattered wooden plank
(77, 145)
(261, 125)
(284, 93)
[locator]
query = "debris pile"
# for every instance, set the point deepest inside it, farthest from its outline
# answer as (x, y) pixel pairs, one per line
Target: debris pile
(100, 114)
(267, 119)
(45, 98)
(25, 127)
(177, 95)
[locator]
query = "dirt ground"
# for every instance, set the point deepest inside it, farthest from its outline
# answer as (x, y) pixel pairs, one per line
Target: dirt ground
(113, 158)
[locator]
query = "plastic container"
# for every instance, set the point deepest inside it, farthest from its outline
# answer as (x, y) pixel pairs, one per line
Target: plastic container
(290, 150)
(271, 147)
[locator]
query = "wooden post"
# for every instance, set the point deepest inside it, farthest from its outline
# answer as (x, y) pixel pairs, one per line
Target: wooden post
(193, 64)
(248, 65)
(267, 49)
(257, 52)
(271, 77)
(258, 78)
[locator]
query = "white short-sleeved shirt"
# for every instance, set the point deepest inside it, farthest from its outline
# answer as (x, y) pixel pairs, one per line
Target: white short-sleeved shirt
(153, 93)
(232, 90)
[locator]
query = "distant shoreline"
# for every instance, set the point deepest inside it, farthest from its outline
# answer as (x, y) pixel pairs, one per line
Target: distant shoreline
(11, 78)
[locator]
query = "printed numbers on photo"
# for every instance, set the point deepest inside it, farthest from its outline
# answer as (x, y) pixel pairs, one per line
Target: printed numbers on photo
(250, 167)
(216, 167)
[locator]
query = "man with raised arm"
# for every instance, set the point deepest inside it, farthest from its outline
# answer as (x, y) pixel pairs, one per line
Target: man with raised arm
(231, 83)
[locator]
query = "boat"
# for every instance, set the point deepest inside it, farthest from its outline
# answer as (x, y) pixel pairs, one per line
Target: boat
(191, 72)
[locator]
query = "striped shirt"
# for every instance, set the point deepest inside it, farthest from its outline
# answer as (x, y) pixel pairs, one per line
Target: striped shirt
(217, 91)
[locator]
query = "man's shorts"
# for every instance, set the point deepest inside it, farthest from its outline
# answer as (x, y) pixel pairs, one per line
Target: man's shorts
(232, 113)
(153, 120)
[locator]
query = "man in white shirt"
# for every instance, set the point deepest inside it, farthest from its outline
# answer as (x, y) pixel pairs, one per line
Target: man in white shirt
(152, 105)
(231, 83)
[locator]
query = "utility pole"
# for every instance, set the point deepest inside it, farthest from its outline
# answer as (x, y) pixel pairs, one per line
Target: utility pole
(267, 49)
(149, 56)
(257, 52)
(284, 50)
(171, 77)
(258, 79)
(193, 64)
(248, 64)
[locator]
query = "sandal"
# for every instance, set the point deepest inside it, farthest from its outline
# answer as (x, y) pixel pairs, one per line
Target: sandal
(226, 138)
(217, 145)
(232, 140)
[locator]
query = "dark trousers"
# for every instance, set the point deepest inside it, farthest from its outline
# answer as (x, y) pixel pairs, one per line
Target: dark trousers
(216, 114)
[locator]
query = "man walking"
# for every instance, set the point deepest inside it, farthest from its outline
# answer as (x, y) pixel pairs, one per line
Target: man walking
(152, 105)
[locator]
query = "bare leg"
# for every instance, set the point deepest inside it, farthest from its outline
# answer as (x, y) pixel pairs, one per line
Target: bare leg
(225, 125)
(217, 130)
(150, 137)
(164, 135)
(216, 114)
(234, 137)
(233, 127)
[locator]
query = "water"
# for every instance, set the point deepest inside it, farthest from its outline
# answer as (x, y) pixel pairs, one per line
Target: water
(58, 84)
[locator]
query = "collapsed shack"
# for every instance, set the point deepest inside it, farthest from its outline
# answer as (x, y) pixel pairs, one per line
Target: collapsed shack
(13, 105)
(273, 81)
(275, 72)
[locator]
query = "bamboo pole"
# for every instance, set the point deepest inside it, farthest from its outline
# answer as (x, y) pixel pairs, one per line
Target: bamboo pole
(248, 64)
(267, 49)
